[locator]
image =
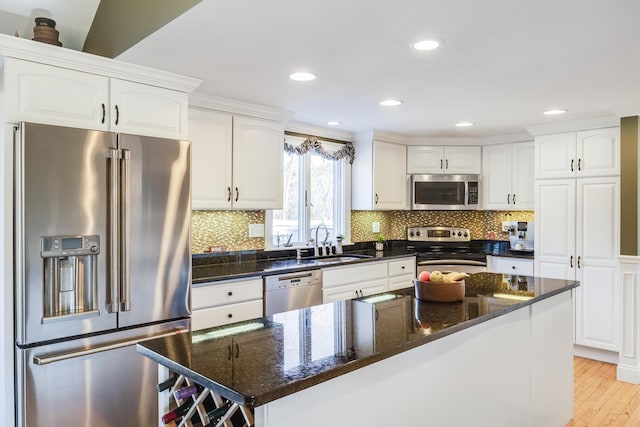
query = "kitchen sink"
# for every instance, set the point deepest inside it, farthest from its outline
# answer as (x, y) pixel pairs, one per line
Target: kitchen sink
(339, 259)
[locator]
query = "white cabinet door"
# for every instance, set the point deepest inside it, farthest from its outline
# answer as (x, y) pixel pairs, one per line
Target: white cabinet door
(555, 156)
(555, 234)
(496, 164)
(258, 156)
(598, 152)
(210, 133)
(148, 110)
(522, 176)
(597, 230)
(425, 159)
(373, 287)
(462, 160)
(41, 93)
(390, 177)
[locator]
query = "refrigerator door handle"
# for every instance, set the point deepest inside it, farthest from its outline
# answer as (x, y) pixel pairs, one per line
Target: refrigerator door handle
(45, 359)
(113, 220)
(125, 234)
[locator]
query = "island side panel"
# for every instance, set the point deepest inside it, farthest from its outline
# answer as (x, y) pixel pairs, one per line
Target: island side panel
(552, 361)
(478, 376)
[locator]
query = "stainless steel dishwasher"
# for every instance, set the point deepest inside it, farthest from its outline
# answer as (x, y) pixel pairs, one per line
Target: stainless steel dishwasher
(284, 292)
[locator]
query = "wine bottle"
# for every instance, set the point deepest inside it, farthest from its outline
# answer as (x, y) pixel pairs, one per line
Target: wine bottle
(166, 384)
(184, 392)
(176, 413)
(216, 415)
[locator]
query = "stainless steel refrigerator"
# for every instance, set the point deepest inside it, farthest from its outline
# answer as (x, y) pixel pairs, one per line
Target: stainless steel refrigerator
(102, 260)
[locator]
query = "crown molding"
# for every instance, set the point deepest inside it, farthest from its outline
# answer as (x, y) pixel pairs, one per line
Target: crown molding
(233, 106)
(319, 131)
(596, 123)
(380, 135)
(29, 50)
(444, 140)
(506, 139)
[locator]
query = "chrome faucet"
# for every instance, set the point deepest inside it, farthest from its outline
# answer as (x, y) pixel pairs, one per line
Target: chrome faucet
(318, 248)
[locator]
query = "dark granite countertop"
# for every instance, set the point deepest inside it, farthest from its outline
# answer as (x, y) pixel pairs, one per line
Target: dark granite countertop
(257, 361)
(208, 268)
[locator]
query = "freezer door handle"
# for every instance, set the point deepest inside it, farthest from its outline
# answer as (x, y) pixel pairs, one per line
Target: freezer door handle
(45, 359)
(113, 213)
(125, 235)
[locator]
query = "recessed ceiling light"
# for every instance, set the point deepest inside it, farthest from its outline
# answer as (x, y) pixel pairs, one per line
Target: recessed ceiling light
(464, 124)
(426, 45)
(391, 102)
(555, 111)
(302, 76)
(333, 123)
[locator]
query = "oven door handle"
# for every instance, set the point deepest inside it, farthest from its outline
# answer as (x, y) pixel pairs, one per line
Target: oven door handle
(452, 262)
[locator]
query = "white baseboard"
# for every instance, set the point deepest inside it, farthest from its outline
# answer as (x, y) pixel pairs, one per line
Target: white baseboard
(596, 354)
(628, 374)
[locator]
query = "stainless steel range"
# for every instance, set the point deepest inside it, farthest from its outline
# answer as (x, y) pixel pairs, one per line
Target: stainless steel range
(446, 249)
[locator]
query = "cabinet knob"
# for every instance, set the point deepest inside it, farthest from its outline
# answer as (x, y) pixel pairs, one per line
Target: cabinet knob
(230, 293)
(513, 267)
(403, 267)
(230, 315)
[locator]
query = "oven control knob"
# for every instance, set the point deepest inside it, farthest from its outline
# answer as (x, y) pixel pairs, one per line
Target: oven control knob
(411, 233)
(465, 234)
(417, 233)
(459, 233)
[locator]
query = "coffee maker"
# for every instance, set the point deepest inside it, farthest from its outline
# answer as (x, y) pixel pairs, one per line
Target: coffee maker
(521, 236)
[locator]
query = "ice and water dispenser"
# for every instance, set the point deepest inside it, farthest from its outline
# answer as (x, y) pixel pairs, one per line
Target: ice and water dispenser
(70, 277)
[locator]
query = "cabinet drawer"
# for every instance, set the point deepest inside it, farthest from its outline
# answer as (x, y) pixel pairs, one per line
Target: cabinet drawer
(217, 316)
(356, 274)
(222, 293)
(402, 267)
(513, 266)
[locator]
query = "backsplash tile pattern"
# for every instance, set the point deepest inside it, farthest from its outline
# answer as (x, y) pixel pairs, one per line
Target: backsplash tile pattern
(231, 228)
(394, 224)
(224, 228)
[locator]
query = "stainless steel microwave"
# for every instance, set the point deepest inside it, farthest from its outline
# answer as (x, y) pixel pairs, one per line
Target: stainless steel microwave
(445, 192)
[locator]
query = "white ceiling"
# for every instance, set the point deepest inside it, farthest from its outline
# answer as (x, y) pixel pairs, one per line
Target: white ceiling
(73, 18)
(501, 64)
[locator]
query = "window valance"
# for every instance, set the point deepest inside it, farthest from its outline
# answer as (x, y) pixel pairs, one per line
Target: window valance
(312, 144)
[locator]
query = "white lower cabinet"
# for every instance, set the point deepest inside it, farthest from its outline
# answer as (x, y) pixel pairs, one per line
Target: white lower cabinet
(340, 283)
(224, 302)
(510, 265)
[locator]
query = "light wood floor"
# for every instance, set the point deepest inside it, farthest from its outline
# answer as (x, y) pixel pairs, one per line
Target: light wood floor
(600, 400)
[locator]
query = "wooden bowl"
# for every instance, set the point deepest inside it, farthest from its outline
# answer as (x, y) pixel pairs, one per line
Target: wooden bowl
(439, 292)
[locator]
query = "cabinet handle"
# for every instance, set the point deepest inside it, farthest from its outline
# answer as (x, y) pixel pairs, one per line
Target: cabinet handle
(579, 262)
(104, 113)
(117, 115)
(229, 194)
(237, 194)
(376, 198)
(571, 165)
(579, 168)
(508, 199)
(230, 293)
(440, 163)
(446, 164)
(514, 198)
(237, 350)
(571, 261)
(377, 315)
(230, 352)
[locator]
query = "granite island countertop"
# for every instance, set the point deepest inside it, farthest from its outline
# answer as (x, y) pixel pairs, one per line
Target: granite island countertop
(272, 357)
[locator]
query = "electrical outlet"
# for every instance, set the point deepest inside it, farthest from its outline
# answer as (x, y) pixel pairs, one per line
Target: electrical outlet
(375, 227)
(505, 226)
(256, 230)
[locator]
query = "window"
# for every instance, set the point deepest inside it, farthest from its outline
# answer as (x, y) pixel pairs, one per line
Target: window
(315, 193)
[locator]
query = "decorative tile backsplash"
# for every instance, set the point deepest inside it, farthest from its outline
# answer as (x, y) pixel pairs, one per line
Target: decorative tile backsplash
(394, 224)
(230, 229)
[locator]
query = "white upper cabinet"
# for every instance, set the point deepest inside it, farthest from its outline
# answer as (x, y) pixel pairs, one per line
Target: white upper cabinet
(508, 176)
(258, 163)
(578, 154)
(211, 136)
(41, 93)
(237, 162)
(447, 160)
(379, 177)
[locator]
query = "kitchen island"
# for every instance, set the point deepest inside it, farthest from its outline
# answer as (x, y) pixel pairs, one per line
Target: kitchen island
(500, 357)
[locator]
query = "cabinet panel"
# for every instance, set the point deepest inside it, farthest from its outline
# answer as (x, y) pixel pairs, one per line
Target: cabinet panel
(555, 155)
(211, 136)
(597, 220)
(389, 175)
(598, 152)
(555, 225)
(440, 159)
(522, 176)
(402, 267)
(507, 265)
(357, 274)
(401, 282)
(496, 165)
(41, 93)
(425, 159)
(463, 160)
(258, 157)
(148, 110)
